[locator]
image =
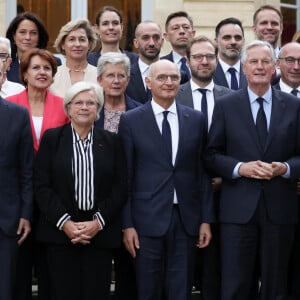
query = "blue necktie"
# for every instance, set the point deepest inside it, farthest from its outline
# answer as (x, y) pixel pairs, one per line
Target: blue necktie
(184, 71)
(294, 92)
(149, 94)
(234, 84)
(166, 133)
(261, 123)
(204, 106)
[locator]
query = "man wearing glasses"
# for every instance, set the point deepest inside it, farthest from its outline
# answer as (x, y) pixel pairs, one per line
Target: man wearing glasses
(8, 87)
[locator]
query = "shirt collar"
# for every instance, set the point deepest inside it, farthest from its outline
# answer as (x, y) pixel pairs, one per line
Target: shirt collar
(176, 57)
(76, 137)
(267, 96)
(286, 88)
(143, 67)
(157, 109)
(225, 66)
(195, 86)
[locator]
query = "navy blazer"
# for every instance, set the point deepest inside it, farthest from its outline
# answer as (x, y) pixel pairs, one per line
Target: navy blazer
(220, 78)
(16, 164)
(93, 57)
(129, 104)
(233, 138)
(54, 185)
(135, 87)
(185, 96)
(152, 177)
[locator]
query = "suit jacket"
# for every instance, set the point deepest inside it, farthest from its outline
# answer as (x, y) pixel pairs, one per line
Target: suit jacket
(93, 57)
(16, 162)
(220, 79)
(54, 185)
(53, 116)
(152, 177)
(184, 77)
(233, 138)
(185, 96)
(130, 104)
(135, 88)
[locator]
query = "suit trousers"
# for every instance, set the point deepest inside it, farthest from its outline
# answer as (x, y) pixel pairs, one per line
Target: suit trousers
(164, 265)
(257, 245)
(79, 272)
(8, 257)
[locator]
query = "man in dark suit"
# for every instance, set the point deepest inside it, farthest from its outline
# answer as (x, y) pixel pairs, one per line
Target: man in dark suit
(254, 144)
(169, 205)
(179, 31)
(148, 40)
(15, 187)
(289, 64)
(201, 93)
(230, 40)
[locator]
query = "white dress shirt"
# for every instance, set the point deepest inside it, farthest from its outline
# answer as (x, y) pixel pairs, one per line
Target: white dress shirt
(225, 68)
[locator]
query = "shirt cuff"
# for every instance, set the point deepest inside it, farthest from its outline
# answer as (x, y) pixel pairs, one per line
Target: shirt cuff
(235, 173)
(100, 219)
(287, 174)
(62, 221)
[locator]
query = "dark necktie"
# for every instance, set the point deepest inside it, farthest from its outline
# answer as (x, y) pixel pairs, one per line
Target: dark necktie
(149, 94)
(294, 92)
(204, 106)
(184, 70)
(261, 123)
(234, 84)
(166, 133)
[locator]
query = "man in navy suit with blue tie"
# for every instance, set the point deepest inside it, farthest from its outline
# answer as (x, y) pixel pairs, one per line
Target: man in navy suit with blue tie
(254, 145)
(16, 162)
(169, 207)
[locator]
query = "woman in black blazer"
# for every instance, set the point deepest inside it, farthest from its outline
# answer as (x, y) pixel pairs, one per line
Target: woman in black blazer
(80, 188)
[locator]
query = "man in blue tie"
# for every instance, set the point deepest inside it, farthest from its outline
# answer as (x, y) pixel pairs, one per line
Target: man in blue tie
(169, 206)
(254, 145)
(179, 31)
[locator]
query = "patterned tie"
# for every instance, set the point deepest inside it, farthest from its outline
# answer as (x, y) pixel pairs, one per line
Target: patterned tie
(184, 70)
(294, 92)
(204, 106)
(166, 133)
(234, 84)
(261, 123)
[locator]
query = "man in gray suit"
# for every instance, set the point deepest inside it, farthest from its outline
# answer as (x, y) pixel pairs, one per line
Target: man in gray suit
(200, 93)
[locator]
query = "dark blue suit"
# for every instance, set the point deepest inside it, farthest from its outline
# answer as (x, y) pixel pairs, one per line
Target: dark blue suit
(220, 79)
(252, 209)
(150, 209)
(16, 162)
(135, 87)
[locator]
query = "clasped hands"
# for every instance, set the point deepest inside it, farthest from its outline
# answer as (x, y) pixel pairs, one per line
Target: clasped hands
(81, 232)
(262, 170)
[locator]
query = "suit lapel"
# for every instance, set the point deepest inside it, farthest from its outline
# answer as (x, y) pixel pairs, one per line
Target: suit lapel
(186, 97)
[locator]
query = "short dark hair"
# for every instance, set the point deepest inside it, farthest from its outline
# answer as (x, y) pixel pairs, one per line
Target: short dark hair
(107, 8)
(28, 55)
(267, 7)
(14, 24)
(178, 14)
(199, 39)
(226, 21)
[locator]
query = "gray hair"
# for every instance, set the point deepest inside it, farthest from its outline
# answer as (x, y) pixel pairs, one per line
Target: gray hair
(257, 43)
(112, 58)
(83, 86)
(6, 42)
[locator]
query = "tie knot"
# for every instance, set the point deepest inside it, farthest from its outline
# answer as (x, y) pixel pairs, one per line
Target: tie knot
(260, 100)
(165, 114)
(294, 92)
(202, 91)
(183, 60)
(232, 71)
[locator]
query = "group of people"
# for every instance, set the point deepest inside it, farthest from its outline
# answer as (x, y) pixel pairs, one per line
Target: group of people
(182, 169)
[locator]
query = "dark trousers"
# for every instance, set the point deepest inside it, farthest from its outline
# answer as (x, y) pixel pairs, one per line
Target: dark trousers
(243, 245)
(79, 272)
(164, 265)
(8, 256)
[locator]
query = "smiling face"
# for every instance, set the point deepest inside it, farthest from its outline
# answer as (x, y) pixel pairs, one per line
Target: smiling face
(26, 36)
(76, 44)
(39, 74)
(110, 28)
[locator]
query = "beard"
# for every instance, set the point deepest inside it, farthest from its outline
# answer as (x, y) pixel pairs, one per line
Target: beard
(203, 78)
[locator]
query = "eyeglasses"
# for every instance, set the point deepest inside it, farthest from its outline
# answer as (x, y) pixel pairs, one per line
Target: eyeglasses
(200, 57)
(255, 62)
(164, 77)
(4, 56)
(80, 103)
(290, 60)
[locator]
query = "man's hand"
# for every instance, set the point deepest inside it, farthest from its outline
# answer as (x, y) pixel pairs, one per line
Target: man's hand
(131, 241)
(279, 168)
(256, 170)
(204, 235)
(24, 229)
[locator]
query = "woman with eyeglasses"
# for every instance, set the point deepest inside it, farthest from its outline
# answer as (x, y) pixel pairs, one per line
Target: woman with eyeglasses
(80, 188)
